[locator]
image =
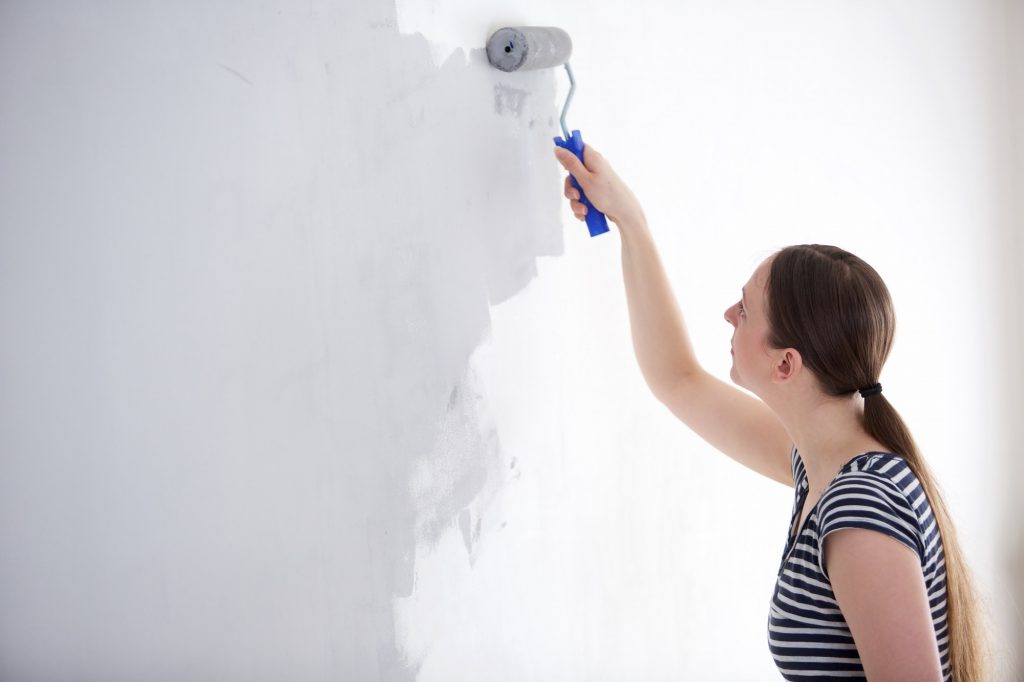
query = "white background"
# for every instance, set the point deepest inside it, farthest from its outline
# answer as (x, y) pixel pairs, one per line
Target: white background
(307, 373)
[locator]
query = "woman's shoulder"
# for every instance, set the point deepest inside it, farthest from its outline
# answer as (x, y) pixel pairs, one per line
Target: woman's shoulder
(879, 491)
(888, 469)
(883, 472)
(884, 476)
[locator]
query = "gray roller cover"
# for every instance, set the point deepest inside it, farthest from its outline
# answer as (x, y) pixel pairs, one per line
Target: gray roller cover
(528, 47)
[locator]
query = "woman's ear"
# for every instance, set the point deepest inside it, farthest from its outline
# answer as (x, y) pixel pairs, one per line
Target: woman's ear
(787, 366)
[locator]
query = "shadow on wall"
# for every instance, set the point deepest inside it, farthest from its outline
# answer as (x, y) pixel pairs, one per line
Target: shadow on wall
(277, 240)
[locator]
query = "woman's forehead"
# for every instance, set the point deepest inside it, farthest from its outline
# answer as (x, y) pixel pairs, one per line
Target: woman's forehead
(758, 278)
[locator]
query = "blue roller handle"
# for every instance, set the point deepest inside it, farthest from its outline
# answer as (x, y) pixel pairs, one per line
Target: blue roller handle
(596, 222)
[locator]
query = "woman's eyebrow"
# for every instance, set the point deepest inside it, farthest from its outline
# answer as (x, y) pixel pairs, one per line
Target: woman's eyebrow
(743, 295)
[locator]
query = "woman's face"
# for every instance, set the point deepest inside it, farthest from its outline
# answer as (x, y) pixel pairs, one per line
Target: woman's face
(750, 362)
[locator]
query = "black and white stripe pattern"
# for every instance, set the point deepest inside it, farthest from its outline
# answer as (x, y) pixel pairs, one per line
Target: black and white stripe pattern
(807, 634)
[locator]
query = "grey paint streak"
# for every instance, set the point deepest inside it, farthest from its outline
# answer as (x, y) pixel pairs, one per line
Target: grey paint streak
(509, 99)
(233, 71)
(237, 324)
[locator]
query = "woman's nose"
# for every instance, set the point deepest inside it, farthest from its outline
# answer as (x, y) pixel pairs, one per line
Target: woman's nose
(728, 315)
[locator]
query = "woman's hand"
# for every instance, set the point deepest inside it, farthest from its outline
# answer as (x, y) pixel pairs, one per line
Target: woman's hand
(605, 190)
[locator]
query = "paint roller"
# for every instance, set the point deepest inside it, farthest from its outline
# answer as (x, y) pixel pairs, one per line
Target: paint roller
(524, 48)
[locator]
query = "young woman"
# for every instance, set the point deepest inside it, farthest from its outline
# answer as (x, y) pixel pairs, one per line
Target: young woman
(872, 581)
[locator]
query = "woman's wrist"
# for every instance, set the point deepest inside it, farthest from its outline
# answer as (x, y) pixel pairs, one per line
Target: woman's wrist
(631, 223)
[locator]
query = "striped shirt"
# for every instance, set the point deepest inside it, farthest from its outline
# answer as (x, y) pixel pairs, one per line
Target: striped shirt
(807, 634)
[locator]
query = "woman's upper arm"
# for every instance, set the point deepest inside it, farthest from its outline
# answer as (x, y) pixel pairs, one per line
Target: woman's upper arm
(880, 589)
(735, 423)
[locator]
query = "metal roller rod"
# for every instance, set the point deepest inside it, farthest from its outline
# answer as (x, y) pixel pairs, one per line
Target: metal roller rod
(572, 89)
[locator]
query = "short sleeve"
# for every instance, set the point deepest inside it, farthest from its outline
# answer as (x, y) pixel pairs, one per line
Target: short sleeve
(865, 500)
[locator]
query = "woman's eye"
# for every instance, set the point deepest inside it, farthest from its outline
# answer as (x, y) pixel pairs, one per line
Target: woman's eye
(741, 307)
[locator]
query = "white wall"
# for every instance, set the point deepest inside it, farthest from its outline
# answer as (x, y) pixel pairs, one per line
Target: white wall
(1010, 569)
(306, 373)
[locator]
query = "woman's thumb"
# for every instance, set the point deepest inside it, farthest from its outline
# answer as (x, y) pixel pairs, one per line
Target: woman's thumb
(572, 164)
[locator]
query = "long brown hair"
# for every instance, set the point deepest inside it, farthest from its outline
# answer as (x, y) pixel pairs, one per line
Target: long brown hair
(835, 310)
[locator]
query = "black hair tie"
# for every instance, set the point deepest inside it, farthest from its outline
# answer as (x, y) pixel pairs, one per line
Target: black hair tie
(871, 390)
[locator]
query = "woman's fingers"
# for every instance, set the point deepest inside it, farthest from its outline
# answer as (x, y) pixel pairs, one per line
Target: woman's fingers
(570, 191)
(573, 195)
(598, 182)
(573, 164)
